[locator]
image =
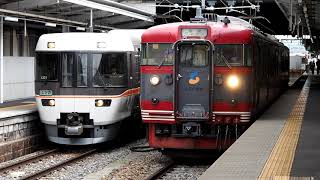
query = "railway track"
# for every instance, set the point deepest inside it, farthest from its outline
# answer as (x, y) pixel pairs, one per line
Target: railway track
(173, 170)
(65, 159)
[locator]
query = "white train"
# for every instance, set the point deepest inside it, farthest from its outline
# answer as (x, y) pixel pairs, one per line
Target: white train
(87, 84)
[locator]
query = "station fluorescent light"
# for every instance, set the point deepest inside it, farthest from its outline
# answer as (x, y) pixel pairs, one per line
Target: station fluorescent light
(9, 18)
(51, 24)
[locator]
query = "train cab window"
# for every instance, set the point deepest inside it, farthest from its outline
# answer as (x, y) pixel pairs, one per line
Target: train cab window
(229, 55)
(196, 55)
(67, 69)
(82, 63)
(109, 70)
(47, 66)
(157, 54)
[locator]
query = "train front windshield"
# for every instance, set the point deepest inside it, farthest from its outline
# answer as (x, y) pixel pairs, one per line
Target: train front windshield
(82, 69)
(157, 54)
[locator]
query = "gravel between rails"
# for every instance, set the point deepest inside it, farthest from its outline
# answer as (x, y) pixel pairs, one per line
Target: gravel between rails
(39, 164)
(185, 172)
(140, 166)
(93, 163)
(23, 157)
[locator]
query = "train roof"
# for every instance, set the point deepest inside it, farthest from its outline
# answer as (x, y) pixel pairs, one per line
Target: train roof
(238, 31)
(113, 41)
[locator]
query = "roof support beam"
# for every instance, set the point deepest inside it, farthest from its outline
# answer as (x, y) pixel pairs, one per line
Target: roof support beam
(282, 10)
(306, 17)
(28, 4)
(133, 24)
(35, 17)
(115, 9)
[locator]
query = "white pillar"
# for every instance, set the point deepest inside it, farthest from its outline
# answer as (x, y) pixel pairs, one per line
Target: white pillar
(1, 59)
(91, 20)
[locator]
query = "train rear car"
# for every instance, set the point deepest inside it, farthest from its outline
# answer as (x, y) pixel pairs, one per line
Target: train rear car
(87, 84)
(203, 82)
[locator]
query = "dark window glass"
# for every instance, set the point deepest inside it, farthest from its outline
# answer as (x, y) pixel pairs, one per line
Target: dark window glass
(67, 69)
(196, 55)
(229, 55)
(109, 70)
(82, 75)
(47, 66)
(248, 54)
(157, 54)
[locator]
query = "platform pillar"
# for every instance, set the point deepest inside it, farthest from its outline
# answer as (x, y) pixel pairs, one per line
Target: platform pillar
(1, 59)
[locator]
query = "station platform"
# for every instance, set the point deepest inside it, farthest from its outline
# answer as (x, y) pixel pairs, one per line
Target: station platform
(20, 130)
(281, 144)
(17, 108)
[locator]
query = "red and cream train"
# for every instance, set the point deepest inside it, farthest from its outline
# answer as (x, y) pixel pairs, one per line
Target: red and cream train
(203, 82)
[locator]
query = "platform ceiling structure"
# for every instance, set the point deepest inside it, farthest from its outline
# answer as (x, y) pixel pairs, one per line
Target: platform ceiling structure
(285, 17)
(106, 14)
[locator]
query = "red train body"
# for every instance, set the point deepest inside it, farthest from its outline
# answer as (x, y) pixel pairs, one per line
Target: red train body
(203, 82)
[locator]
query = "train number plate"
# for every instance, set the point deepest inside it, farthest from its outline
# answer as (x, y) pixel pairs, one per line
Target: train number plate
(45, 92)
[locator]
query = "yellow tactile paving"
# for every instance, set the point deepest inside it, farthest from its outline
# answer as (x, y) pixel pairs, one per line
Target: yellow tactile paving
(279, 163)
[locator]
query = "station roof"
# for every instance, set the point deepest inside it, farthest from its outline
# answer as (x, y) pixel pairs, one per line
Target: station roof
(107, 14)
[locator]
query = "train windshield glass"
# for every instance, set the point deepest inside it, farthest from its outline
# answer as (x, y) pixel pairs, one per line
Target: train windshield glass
(109, 70)
(196, 55)
(229, 55)
(82, 63)
(157, 54)
(67, 69)
(47, 66)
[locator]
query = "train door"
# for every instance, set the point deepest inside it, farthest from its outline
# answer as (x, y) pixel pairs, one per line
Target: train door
(192, 74)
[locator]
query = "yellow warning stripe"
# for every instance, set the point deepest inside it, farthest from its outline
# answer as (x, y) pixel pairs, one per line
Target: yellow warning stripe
(280, 161)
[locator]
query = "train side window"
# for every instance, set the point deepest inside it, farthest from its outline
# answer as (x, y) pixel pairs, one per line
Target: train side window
(109, 70)
(82, 70)
(47, 66)
(248, 53)
(67, 69)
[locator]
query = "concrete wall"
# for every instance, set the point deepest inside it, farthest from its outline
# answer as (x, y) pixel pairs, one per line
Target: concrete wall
(20, 132)
(18, 78)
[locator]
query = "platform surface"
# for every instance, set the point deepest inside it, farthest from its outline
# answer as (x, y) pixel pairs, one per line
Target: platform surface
(281, 144)
(17, 108)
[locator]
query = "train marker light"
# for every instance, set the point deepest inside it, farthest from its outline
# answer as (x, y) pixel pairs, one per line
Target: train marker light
(154, 80)
(51, 45)
(233, 81)
(154, 101)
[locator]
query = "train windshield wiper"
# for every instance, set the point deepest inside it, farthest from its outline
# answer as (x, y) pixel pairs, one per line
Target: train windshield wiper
(225, 61)
(161, 63)
(102, 79)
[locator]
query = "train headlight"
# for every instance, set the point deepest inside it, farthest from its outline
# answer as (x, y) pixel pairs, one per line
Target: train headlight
(233, 81)
(48, 102)
(102, 102)
(99, 103)
(154, 80)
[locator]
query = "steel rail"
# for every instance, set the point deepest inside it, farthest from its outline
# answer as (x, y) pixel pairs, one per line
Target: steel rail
(58, 165)
(161, 171)
(27, 160)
